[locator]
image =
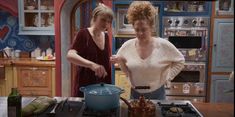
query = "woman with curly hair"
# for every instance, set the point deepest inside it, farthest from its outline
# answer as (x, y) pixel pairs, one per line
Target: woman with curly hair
(147, 60)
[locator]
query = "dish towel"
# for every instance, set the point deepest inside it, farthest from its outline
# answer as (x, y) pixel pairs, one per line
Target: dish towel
(37, 106)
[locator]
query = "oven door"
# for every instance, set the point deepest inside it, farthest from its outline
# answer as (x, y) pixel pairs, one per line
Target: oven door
(192, 47)
(193, 75)
(187, 42)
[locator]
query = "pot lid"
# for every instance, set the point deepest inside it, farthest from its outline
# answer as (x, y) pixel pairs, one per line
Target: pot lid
(101, 89)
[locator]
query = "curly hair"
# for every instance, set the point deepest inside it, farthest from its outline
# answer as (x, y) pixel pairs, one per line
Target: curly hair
(141, 10)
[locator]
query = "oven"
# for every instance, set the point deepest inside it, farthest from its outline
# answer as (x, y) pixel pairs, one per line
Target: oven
(189, 35)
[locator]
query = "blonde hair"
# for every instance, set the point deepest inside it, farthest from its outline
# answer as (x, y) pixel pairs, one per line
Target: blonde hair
(141, 10)
(102, 9)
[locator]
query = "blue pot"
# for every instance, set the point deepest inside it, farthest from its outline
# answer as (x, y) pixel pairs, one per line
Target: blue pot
(101, 96)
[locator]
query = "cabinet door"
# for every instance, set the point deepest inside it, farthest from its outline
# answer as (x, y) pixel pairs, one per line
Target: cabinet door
(122, 82)
(223, 46)
(36, 17)
(7, 82)
(219, 86)
(34, 80)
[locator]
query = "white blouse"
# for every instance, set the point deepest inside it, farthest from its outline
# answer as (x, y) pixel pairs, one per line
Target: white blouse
(164, 63)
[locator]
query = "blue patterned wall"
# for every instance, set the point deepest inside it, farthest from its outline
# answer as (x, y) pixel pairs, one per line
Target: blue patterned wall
(9, 35)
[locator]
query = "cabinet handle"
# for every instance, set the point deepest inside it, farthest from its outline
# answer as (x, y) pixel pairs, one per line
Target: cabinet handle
(215, 45)
(43, 73)
(34, 68)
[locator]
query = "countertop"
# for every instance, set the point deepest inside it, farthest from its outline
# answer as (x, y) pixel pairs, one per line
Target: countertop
(26, 62)
(206, 109)
(215, 109)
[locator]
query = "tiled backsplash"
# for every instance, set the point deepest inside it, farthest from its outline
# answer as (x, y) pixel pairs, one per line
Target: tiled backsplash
(9, 36)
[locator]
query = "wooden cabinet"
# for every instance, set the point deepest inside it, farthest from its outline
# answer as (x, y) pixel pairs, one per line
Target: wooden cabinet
(221, 59)
(122, 81)
(35, 81)
(7, 81)
(220, 84)
(223, 45)
(36, 17)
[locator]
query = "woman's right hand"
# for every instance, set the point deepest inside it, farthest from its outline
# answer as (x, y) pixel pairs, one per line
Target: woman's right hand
(117, 59)
(99, 70)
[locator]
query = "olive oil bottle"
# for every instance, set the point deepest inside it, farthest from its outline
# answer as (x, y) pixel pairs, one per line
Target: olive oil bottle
(14, 103)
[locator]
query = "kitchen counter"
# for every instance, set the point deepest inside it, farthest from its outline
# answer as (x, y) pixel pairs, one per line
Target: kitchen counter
(206, 109)
(215, 109)
(25, 62)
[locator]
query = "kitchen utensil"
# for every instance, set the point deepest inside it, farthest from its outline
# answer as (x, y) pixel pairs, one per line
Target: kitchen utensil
(63, 103)
(55, 107)
(7, 52)
(58, 102)
(140, 107)
(102, 96)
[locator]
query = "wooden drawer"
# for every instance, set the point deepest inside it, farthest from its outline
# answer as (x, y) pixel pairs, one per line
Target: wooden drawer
(34, 81)
(36, 93)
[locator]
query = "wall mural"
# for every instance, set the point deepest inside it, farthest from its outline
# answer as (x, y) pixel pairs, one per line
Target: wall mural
(9, 36)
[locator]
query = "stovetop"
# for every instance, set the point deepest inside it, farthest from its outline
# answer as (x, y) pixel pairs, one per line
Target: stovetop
(177, 109)
(164, 108)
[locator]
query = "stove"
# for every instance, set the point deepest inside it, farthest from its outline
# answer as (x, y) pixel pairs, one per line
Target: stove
(169, 108)
(164, 108)
(177, 109)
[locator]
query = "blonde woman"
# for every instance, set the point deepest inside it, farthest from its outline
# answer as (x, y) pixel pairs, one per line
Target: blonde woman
(90, 50)
(147, 60)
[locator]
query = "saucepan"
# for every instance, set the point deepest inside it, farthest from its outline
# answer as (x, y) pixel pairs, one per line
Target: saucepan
(102, 96)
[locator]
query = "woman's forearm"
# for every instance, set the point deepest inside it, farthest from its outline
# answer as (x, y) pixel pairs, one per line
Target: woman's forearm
(175, 69)
(74, 58)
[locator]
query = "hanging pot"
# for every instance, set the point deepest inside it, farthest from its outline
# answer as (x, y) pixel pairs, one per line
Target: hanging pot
(102, 96)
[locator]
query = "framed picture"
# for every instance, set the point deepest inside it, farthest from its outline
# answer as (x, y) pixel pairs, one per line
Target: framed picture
(224, 7)
(122, 25)
(124, 28)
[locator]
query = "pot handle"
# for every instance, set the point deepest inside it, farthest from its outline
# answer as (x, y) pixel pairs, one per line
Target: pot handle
(122, 91)
(126, 102)
(82, 89)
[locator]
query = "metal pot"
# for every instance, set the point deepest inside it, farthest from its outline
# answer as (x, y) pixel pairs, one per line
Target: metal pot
(102, 96)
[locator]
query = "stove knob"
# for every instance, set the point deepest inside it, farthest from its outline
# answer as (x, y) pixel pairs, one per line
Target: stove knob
(202, 22)
(185, 21)
(177, 21)
(194, 100)
(194, 21)
(169, 21)
(199, 66)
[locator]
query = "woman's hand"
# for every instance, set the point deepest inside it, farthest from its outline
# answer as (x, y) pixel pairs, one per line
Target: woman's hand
(99, 70)
(117, 59)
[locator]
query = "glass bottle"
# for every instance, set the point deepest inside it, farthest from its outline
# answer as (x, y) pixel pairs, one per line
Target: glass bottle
(14, 103)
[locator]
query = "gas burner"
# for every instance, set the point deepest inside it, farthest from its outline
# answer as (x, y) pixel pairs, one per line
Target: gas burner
(178, 110)
(93, 113)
